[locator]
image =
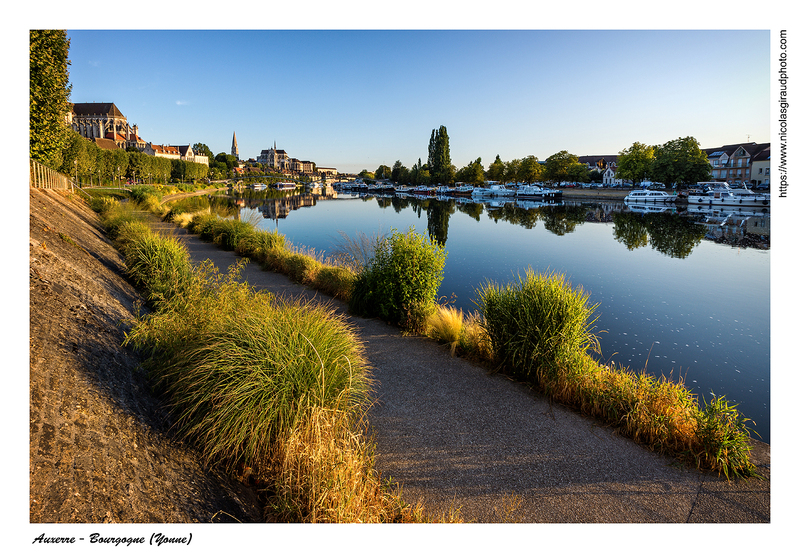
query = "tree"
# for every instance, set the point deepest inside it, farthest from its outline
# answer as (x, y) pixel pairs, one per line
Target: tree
(383, 172)
(511, 170)
(530, 170)
(203, 150)
(559, 167)
(496, 170)
(680, 162)
(471, 173)
(49, 96)
(439, 164)
(635, 163)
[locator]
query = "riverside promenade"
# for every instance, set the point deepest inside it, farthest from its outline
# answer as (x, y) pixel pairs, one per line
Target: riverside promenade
(454, 436)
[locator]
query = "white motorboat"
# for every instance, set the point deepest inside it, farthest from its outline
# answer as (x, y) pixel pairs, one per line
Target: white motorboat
(721, 194)
(493, 191)
(649, 196)
(536, 191)
(462, 190)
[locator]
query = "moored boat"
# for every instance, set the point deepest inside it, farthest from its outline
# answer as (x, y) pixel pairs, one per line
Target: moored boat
(649, 196)
(462, 190)
(536, 191)
(721, 194)
(495, 190)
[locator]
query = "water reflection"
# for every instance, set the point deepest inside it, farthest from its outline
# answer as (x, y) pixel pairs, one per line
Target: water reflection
(671, 231)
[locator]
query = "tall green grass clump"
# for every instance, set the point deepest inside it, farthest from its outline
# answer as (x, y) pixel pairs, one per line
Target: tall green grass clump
(401, 281)
(255, 245)
(242, 367)
(114, 214)
(536, 323)
(140, 192)
(160, 265)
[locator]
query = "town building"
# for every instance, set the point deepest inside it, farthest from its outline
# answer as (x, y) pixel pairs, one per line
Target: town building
(235, 147)
(734, 163)
(605, 165)
(155, 150)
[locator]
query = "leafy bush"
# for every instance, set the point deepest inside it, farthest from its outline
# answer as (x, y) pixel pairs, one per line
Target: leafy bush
(401, 281)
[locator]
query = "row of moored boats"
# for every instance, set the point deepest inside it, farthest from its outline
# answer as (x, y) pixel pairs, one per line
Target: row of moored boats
(715, 194)
(460, 190)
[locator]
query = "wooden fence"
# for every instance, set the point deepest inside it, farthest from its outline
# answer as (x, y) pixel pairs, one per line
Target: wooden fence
(44, 177)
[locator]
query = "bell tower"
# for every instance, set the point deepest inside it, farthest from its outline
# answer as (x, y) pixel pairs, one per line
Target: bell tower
(235, 147)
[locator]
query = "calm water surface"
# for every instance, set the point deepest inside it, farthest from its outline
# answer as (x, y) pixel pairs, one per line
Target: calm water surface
(670, 299)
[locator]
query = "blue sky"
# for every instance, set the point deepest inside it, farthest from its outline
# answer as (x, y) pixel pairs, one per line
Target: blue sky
(358, 99)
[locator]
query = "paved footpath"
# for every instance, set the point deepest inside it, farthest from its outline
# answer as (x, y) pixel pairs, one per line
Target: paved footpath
(454, 436)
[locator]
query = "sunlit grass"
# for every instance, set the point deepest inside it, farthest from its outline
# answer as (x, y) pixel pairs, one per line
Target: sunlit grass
(538, 330)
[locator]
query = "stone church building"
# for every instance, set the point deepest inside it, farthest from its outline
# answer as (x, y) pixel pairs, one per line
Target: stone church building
(104, 120)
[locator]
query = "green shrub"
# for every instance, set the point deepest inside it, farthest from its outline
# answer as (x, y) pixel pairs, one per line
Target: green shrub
(117, 216)
(401, 281)
(129, 232)
(192, 204)
(536, 323)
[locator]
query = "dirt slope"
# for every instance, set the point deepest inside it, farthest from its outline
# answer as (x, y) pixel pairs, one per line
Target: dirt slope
(100, 448)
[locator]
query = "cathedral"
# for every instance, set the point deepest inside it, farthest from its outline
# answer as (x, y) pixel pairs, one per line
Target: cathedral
(104, 120)
(274, 158)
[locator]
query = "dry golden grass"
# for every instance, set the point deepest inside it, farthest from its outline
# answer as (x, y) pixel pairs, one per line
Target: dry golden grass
(323, 471)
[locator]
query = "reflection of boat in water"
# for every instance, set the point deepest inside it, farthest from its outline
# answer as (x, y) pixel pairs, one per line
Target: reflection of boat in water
(530, 204)
(536, 191)
(649, 196)
(721, 194)
(497, 203)
(725, 210)
(652, 208)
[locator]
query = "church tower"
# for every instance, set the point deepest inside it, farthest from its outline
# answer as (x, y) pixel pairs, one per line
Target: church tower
(235, 147)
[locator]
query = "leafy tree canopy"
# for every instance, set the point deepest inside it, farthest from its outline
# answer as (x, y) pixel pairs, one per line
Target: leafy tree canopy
(559, 167)
(636, 162)
(49, 96)
(680, 162)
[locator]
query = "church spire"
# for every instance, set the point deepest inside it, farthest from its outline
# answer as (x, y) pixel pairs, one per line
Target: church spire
(234, 147)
